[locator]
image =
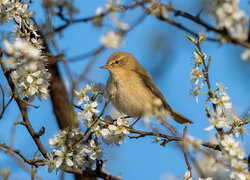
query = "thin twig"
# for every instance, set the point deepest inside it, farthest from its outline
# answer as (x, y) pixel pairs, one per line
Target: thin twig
(37, 162)
(199, 21)
(184, 151)
(5, 107)
(206, 75)
(172, 138)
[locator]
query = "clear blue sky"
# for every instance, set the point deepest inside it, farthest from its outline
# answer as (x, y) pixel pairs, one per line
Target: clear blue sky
(138, 158)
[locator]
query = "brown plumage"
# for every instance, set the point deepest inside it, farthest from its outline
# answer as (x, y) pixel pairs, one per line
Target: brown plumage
(131, 88)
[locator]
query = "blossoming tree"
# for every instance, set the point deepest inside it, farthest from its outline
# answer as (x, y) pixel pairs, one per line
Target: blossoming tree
(30, 63)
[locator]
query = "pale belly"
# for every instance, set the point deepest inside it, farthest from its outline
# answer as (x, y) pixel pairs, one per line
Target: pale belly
(129, 98)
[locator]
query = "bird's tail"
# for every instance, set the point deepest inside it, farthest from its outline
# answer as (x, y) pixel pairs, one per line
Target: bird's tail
(180, 118)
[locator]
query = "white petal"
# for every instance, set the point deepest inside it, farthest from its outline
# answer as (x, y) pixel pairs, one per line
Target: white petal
(104, 132)
(209, 128)
(94, 104)
(32, 91)
(112, 127)
(39, 81)
(36, 74)
(58, 153)
(119, 122)
(29, 79)
(69, 162)
(95, 111)
(59, 161)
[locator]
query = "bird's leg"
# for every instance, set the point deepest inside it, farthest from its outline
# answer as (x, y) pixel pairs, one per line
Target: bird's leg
(135, 122)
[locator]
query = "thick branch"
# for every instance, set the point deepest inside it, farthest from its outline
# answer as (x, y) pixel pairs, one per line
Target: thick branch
(91, 173)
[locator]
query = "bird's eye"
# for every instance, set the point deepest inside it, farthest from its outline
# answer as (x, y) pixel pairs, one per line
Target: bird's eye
(116, 62)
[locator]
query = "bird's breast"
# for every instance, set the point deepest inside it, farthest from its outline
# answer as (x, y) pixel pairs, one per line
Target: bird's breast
(129, 95)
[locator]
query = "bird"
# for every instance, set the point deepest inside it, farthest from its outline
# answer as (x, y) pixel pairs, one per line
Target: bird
(131, 89)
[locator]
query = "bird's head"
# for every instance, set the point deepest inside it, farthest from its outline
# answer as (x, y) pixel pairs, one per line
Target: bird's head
(120, 61)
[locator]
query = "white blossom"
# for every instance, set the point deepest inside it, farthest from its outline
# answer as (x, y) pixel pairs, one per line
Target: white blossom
(115, 133)
(81, 94)
(230, 145)
(208, 178)
(71, 151)
(112, 4)
(158, 9)
(90, 109)
(112, 40)
(222, 101)
(239, 176)
(95, 150)
(196, 75)
(246, 54)
(50, 162)
(239, 130)
(197, 59)
(196, 91)
(187, 175)
(221, 88)
(222, 118)
(63, 156)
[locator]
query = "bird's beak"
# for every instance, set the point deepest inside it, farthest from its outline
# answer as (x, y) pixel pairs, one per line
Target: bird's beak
(104, 67)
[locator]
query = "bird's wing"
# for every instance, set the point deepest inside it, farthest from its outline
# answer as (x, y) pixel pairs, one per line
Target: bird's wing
(148, 82)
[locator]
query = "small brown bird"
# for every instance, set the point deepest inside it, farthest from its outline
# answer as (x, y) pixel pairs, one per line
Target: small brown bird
(131, 88)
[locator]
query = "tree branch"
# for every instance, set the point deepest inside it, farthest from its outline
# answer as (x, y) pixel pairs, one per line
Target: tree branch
(171, 138)
(22, 108)
(35, 162)
(91, 173)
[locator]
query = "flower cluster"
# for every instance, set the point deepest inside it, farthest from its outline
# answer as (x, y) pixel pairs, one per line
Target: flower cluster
(233, 154)
(116, 132)
(70, 151)
(89, 96)
(197, 72)
(228, 15)
(24, 55)
(210, 167)
(11, 9)
(30, 75)
(78, 149)
(222, 117)
(225, 117)
(20, 13)
(111, 133)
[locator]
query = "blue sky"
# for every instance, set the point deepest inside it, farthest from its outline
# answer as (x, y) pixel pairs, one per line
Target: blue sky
(138, 158)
